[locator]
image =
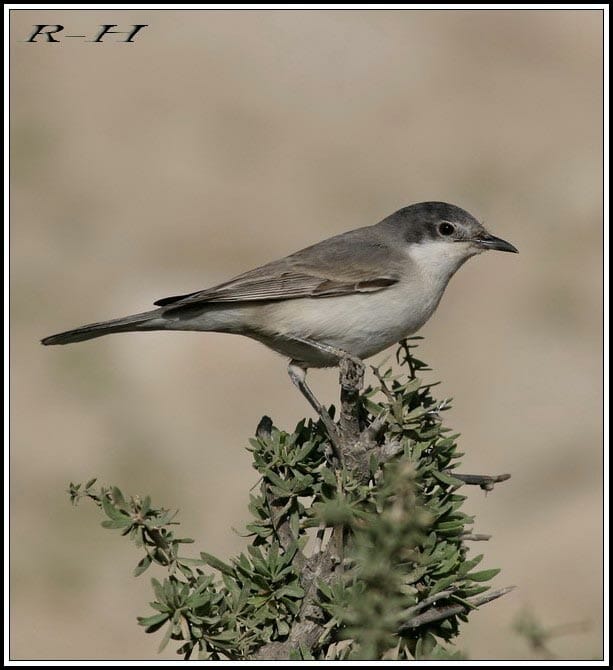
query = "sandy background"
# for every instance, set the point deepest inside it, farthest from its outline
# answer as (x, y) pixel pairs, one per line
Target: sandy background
(221, 140)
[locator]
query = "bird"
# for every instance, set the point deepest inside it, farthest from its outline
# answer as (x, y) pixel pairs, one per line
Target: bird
(349, 296)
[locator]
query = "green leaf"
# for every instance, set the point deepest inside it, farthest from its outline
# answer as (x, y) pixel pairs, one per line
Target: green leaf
(291, 590)
(372, 407)
(415, 575)
(483, 576)
(216, 563)
(329, 477)
(224, 636)
(447, 479)
(151, 620)
(146, 505)
(471, 591)
(467, 566)
(449, 525)
(325, 590)
(279, 483)
(166, 637)
(282, 628)
(110, 510)
(117, 495)
(191, 561)
(160, 607)
(153, 623)
(442, 584)
(143, 564)
(158, 590)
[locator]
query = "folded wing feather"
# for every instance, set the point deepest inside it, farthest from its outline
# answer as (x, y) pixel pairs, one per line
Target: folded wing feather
(331, 268)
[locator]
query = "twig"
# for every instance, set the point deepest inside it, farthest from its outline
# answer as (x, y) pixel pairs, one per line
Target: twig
(438, 613)
(475, 537)
(428, 601)
(486, 482)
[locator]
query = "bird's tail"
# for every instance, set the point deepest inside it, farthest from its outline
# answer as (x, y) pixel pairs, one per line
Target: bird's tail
(143, 321)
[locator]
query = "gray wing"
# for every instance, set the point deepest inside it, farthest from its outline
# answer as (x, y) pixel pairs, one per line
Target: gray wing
(359, 261)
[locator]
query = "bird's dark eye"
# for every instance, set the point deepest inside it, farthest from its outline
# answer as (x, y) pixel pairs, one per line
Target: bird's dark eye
(446, 228)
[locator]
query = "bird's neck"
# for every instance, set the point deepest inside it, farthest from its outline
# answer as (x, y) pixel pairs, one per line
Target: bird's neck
(438, 261)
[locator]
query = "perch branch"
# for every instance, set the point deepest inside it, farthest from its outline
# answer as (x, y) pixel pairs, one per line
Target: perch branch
(351, 379)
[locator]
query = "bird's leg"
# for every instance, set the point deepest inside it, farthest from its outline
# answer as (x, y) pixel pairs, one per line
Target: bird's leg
(297, 374)
(342, 356)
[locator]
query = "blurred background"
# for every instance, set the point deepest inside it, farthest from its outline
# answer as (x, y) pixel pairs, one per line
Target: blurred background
(220, 140)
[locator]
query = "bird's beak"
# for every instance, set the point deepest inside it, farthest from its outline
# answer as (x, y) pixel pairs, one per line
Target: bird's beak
(488, 241)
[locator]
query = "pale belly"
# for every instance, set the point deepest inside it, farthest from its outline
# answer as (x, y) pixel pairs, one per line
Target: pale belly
(361, 324)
